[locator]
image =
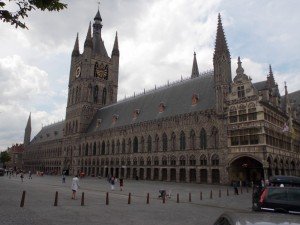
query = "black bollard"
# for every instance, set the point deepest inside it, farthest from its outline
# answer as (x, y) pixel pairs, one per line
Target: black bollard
(177, 201)
(200, 195)
(190, 197)
(56, 198)
(23, 199)
(211, 195)
(220, 194)
(129, 198)
(148, 197)
(82, 199)
(107, 199)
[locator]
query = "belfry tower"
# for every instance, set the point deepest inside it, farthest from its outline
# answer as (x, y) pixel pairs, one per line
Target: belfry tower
(222, 68)
(93, 80)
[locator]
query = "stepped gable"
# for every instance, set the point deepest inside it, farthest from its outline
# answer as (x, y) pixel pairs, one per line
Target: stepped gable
(49, 133)
(176, 98)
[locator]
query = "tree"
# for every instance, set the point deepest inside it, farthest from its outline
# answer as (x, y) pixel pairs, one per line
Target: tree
(4, 157)
(24, 6)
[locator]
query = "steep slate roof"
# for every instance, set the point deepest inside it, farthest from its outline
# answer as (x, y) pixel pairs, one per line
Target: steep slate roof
(176, 97)
(260, 85)
(295, 97)
(49, 133)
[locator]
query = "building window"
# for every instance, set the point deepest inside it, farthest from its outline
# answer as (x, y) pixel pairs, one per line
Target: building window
(135, 145)
(192, 161)
(104, 96)
(156, 162)
(203, 160)
(203, 141)
(192, 139)
(182, 161)
(156, 143)
(215, 160)
(164, 161)
(173, 161)
(165, 142)
(173, 141)
(149, 144)
(215, 137)
(123, 146)
(241, 92)
(182, 140)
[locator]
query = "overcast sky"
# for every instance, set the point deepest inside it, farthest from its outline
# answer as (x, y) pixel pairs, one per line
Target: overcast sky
(157, 39)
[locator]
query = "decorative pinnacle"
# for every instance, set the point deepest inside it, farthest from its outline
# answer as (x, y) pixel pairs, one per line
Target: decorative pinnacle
(221, 44)
(115, 50)
(239, 70)
(195, 71)
(88, 41)
(76, 47)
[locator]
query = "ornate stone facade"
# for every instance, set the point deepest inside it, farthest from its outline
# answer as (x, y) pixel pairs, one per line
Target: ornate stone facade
(207, 129)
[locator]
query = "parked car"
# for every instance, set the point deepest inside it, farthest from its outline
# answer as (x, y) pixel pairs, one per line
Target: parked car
(253, 218)
(283, 195)
(2, 172)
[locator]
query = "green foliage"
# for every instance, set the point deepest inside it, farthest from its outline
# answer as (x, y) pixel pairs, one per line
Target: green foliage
(4, 157)
(24, 6)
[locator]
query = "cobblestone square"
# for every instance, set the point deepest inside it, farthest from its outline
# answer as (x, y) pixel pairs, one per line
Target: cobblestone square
(40, 194)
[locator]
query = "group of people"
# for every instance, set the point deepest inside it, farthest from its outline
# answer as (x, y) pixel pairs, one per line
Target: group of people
(75, 184)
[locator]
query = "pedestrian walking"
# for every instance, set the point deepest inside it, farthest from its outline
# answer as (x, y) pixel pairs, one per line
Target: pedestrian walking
(112, 183)
(75, 186)
(64, 177)
(22, 176)
(29, 175)
(121, 182)
(236, 190)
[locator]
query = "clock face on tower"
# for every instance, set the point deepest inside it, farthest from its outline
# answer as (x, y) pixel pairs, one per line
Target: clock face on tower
(78, 72)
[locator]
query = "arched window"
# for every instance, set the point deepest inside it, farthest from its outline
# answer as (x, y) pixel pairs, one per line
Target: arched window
(215, 137)
(123, 146)
(192, 160)
(95, 69)
(142, 144)
(182, 140)
(118, 147)
(135, 145)
(134, 161)
(182, 160)
(215, 160)
(104, 93)
(156, 161)
(149, 144)
(165, 142)
(113, 147)
(173, 161)
(87, 149)
(103, 148)
(141, 161)
(149, 161)
(173, 141)
(192, 139)
(164, 161)
(156, 142)
(203, 142)
(95, 93)
(108, 148)
(129, 146)
(203, 160)
(94, 149)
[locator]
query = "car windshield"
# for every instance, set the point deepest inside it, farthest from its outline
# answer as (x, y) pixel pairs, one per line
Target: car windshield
(286, 194)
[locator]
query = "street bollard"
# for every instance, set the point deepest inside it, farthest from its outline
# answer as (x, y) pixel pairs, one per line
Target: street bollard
(200, 195)
(56, 198)
(23, 199)
(227, 192)
(220, 194)
(211, 195)
(164, 199)
(107, 199)
(129, 198)
(177, 200)
(148, 198)
(82, 199)
(190, 197)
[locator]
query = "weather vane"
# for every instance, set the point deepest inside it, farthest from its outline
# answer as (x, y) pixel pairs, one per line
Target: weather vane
(98, 4)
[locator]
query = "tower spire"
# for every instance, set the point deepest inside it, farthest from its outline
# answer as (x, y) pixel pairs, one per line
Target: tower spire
(221, 44)
(270, 77)
(76, 47)
(115, 50)
(27, 131)
(88, 40)
(195, 71)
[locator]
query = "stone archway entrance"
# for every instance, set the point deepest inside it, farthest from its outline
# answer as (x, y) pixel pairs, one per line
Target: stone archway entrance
(246, 169)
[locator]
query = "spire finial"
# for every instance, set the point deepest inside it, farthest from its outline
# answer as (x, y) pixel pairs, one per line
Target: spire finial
(239, 70)
(195, 71)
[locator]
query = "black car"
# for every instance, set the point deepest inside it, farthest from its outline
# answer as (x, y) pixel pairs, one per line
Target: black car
(283, 195)
(2, 172)
(252, 218)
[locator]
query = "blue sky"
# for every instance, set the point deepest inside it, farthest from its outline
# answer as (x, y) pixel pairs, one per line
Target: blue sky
(156, 39)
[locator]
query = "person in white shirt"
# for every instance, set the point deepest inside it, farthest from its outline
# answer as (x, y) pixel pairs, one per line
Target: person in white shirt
(74, 186)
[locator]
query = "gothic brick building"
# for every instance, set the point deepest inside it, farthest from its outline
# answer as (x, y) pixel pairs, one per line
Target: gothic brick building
(205, 129)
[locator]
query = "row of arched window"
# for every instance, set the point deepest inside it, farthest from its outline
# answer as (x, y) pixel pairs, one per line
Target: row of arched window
(72, 127)
(141, 145)
(156, 161)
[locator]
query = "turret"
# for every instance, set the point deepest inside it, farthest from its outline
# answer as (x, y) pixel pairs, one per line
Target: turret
(222, 68)
(98, 45)
(195, 71)
(27, 134)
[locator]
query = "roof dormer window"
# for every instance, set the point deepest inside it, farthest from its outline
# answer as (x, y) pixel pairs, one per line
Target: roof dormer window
(115, 118)
(136, 113)
(99, 121)
(161, 107)
(241, 92)
(195, 99)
